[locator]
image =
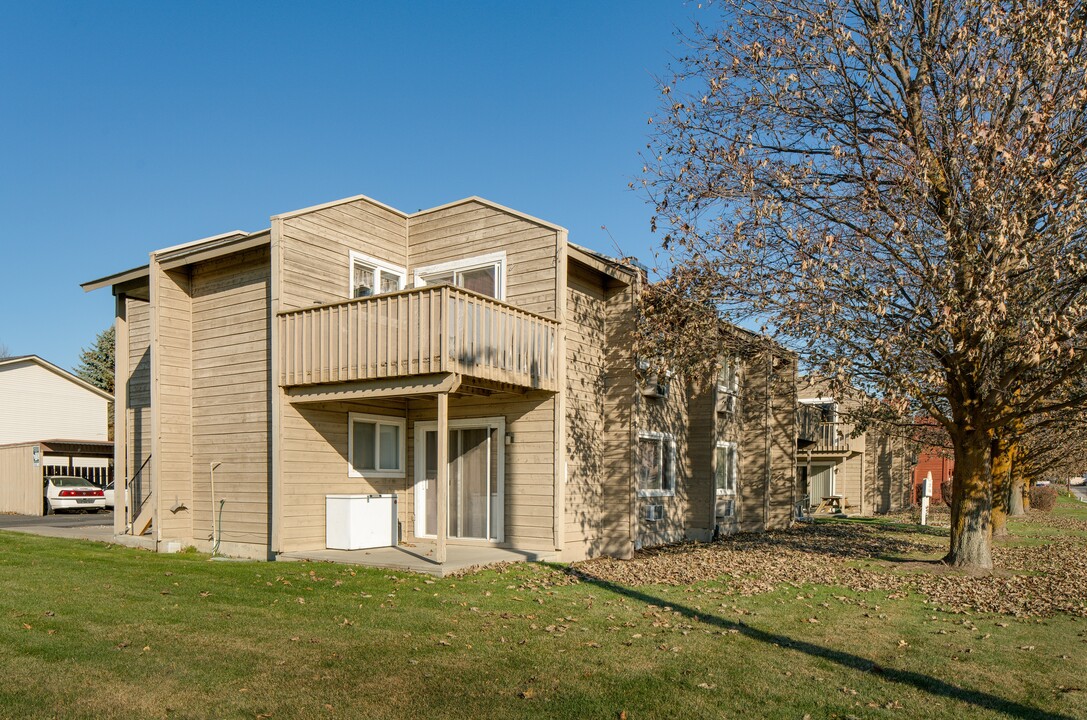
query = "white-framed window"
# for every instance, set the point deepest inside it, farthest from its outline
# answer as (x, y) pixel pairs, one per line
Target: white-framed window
(728, 386)
(370, 276)
(484, 274)
(725, 469)
(375, 446)
(656, 467)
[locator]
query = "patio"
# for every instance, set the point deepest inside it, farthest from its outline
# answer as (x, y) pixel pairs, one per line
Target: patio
(418, 557)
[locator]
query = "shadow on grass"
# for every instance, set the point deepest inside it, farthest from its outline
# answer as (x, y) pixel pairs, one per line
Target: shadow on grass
(925, 683)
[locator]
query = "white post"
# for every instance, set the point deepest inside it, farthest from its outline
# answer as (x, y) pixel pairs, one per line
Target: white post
(443, 477)
(926, 493)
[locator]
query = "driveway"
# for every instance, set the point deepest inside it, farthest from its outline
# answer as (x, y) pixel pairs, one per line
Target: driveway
(98, 526)
(1079, 491)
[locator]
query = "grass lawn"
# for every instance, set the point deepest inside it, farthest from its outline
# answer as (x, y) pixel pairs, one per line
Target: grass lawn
(96, 631)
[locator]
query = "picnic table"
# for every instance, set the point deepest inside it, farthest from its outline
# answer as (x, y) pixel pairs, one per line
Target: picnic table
(832, 504)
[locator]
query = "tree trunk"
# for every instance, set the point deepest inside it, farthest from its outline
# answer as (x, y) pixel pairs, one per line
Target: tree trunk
(1017, 506)
(971, 504)
(1002, 450)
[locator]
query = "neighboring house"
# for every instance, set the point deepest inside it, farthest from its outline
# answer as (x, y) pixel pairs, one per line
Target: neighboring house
(328, 354)
(40, 400)
(871, 471)
(51, 423)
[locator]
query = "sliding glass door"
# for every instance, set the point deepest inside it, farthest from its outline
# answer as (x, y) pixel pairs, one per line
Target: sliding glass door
(475, 480)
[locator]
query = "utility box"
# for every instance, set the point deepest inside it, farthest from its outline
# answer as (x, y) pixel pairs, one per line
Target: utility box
(357, 522)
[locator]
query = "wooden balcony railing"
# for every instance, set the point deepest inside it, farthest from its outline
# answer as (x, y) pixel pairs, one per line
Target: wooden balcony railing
(809, 422)
(833, 437)
(421, 331)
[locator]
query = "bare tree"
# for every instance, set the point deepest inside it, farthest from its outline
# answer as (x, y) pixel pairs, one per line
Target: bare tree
(895, 191)
(4, 351)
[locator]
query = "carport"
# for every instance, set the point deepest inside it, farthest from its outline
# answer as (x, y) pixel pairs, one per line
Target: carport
(23, 465)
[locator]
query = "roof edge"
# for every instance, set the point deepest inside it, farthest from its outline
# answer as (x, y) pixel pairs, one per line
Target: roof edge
(334, 203)
(491, 204)
(117, 278)
(59, 371)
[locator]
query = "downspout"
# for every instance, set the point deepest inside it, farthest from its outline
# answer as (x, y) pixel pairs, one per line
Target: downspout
(216, 536)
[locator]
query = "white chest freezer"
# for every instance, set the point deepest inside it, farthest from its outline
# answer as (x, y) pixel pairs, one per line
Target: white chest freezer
(356, 522)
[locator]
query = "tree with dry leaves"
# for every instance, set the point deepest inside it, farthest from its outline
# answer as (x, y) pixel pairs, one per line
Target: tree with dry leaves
(897, 192)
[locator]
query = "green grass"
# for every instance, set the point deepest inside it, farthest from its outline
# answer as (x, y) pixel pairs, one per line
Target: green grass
(90, 631)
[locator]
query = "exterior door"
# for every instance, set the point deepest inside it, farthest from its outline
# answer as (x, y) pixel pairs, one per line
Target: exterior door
(820, 483)
(475, 500)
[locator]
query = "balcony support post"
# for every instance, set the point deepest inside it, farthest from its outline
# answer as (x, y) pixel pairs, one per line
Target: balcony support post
(443, 477)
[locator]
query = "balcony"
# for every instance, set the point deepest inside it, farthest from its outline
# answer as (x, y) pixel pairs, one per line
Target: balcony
(424, 331)
(809, 421)
(834, 438)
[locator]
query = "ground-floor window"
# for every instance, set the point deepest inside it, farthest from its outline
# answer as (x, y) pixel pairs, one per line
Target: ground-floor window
(375, 446)
(656, 468)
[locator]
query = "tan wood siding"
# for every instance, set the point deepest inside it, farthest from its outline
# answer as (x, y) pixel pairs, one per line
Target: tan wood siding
(705, 430)
(618, 524)
(784, 493)
(471, 229)
(888, 475)
(21, 483)
(587, 500)
(231, 382)
(138, 396)
(171, 373)
(316, 249)
(315, 464)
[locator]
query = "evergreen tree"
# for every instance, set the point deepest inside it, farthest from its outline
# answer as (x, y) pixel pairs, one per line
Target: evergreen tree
(96, 361)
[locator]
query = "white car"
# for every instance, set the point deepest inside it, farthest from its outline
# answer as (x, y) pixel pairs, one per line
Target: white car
(110, 496)
(72, 493)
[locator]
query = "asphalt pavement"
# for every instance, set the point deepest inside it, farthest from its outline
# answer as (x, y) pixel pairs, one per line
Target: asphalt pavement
(84, 526)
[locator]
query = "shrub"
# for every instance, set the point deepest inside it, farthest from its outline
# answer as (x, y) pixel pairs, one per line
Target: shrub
(1043, 498)
(945, 491)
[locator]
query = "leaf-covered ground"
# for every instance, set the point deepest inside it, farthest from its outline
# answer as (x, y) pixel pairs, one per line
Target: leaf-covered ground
(1032, 580)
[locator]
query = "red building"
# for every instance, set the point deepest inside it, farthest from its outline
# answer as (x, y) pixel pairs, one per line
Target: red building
(941, 467)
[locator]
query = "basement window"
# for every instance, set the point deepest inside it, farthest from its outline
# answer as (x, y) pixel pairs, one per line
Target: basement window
(375, 446)
(656, 464)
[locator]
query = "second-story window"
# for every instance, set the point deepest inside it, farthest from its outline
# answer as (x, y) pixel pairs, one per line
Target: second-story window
(483, 274)
(728, 386)
(370, 276)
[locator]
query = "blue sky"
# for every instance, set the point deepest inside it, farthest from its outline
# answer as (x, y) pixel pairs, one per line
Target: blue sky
(133, 126)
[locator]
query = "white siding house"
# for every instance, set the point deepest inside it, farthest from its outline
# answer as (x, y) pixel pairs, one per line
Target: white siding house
(40, 401)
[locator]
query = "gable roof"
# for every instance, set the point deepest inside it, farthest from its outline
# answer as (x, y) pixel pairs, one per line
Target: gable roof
(57, 370)
(238, 239)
